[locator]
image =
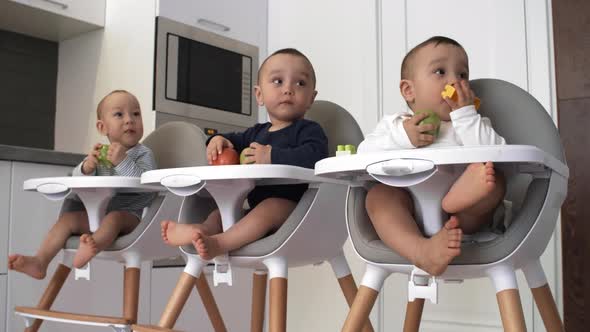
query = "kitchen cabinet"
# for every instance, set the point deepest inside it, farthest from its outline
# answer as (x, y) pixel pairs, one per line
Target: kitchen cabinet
(55, 20)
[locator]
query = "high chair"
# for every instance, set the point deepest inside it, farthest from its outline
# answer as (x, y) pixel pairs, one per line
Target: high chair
(314, 232)
(536, 174)
(175, 144)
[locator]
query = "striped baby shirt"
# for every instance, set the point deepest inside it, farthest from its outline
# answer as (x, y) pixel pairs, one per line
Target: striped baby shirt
(139, 159)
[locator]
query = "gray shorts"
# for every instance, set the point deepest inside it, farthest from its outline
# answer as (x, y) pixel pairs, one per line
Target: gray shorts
(74, 205)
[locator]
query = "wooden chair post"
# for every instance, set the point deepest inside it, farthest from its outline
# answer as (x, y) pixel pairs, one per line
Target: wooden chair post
(360, 309)
(259, 280)
(349, 289)
(177, 300)
(511, 310)
(278, 305)
(209, 303)
(413, 315)
(55, 284)
(547, 308)
(131, 293)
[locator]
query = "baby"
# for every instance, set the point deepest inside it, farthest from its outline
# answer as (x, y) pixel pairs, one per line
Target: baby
(119, 119)
(426, 70)
(286, 86)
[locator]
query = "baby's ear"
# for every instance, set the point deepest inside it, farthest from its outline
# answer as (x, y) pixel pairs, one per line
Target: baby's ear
(100, 127)
(406, 87)
(258, 95)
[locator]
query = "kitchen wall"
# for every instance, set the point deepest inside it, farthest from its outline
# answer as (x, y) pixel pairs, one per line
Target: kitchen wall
(120, 56)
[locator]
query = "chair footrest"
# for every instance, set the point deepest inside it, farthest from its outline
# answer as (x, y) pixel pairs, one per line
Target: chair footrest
(151, 328)
(73, 318)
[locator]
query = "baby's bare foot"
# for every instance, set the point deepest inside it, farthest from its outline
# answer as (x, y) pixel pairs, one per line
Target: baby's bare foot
(477, 181)
(435, 254)
(86, 251)
(29, 265)
(207, 246)
(176, 234)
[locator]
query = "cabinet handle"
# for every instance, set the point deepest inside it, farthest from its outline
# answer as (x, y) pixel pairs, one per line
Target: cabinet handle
(57, 3)
(211, 24)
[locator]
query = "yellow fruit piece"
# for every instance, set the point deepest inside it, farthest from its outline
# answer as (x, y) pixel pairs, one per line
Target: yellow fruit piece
(450, 92)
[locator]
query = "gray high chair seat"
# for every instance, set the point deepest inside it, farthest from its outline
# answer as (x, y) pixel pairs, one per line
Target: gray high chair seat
(174, 144)
(521, 120)
(314, 232)
(339, 126)
(536, 200)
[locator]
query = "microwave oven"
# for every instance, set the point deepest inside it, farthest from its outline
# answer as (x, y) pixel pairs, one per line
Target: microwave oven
(204, 78)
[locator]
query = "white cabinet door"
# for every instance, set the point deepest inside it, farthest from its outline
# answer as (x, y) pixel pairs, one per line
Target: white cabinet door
(339, 38)
(241, 20)
(4, 215)
(234, 301)
(492, 32)
(3, 312)
(85, 11)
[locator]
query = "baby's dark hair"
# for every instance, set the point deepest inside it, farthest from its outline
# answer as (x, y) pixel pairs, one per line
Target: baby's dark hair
(290, 51)
(100, 104)
(436, 40)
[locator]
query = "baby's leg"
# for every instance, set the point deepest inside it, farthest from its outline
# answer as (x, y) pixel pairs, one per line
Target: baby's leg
(176, 234)
(269, 215)
(473, 197)
(113, 224)
(36, 266)
(391, 211)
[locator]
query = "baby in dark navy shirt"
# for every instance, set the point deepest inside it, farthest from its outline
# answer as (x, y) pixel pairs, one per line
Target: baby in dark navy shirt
(286, 86)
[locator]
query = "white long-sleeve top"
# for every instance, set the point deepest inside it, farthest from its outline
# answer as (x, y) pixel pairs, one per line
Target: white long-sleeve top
(466, 128)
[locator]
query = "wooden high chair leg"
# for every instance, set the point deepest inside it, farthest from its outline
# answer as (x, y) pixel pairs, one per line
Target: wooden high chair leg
(278, 305)
(177, 300)
(511, 310)
(57, 280)
(413, 315)
(349, 289)
(547, 308)
(258, 301)
(360, 309)
(131, 293)
(209, 303)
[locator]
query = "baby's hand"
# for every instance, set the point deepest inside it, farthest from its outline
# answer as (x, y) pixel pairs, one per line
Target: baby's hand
(465, 96)
(116, 154)
(260, 153)
(215, 146)
(416, 131)
(91, 161)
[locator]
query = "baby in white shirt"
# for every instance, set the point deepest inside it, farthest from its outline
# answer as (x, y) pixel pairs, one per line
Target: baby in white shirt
(426, 70)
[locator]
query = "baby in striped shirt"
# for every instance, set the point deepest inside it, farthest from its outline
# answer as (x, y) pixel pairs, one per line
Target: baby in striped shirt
(119, 119)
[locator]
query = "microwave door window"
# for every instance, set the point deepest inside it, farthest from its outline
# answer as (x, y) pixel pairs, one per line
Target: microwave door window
(213, 77)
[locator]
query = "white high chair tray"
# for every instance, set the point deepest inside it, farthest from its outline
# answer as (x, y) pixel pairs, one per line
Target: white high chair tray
(93, 191)
(229, 184)
(121, 183)
(261, 174)
(353, 167)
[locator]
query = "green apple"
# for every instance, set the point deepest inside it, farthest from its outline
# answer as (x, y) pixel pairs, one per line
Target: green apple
(432, 118)
(102, 157)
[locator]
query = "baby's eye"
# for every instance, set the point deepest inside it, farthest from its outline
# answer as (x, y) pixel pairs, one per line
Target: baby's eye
(464, 75)
(301, 83)
(137, 113)
(277, 81)
(439, 71)
(118, 114)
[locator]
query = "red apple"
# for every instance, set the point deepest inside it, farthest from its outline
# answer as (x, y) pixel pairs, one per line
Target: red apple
(228, 156)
